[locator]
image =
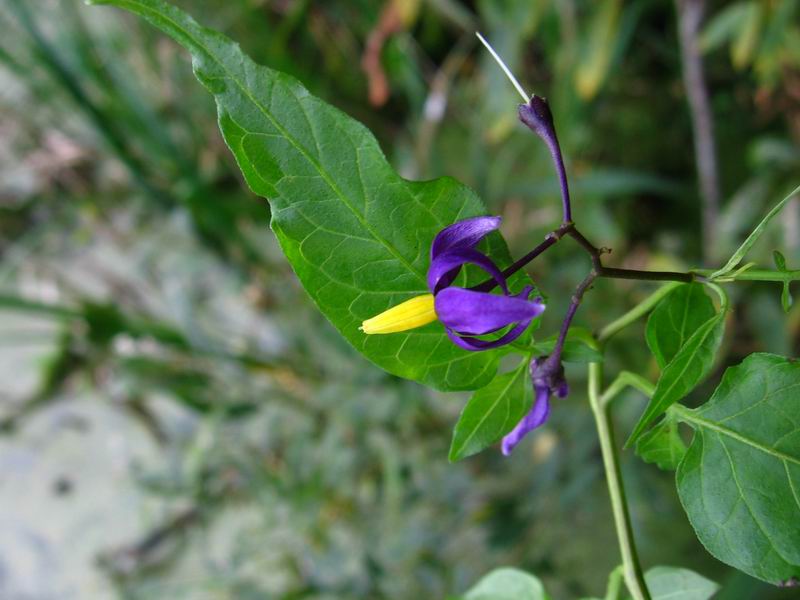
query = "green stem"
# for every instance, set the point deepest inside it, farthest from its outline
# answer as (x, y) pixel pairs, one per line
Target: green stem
(623, 380)
(753, 275)
(636, 312)
(634, 577)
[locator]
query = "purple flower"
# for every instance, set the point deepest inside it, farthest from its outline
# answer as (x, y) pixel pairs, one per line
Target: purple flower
(548, 379)
(466, 313)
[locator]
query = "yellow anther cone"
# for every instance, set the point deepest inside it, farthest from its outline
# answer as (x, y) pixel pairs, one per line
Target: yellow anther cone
(410, 314)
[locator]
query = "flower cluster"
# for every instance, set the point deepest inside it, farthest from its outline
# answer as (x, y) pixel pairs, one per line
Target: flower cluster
(467, 313)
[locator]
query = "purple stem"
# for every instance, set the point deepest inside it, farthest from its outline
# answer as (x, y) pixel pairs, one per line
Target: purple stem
(490, 284)
(555, 355)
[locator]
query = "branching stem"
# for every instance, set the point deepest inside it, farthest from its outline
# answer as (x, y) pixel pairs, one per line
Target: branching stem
(632, 570)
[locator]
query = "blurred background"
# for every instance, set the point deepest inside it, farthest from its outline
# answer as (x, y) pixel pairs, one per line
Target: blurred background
(178, 421)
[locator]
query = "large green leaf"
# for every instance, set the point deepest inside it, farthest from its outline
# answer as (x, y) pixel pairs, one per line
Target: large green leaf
(675, 319)
(686, 369)
(740, 479)
(355, 232)
(673, 583)
(492, 412)
(507, 584)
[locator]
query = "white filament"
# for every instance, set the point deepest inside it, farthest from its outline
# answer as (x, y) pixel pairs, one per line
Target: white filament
(503, 66)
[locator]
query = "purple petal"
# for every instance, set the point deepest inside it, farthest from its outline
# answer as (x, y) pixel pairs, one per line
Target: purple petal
(475, 344)
(463, 234)
(475, 313)
(535, 418)
(444, 268)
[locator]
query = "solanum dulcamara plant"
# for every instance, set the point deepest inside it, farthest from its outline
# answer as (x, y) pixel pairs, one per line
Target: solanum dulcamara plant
(416, 276)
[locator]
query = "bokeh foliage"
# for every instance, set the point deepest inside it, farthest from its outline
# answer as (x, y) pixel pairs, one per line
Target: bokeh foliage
(138, 278)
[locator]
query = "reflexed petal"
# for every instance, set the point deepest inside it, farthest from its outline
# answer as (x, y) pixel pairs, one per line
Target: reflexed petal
(475, 313)
(476, 344)
(463, 234)
(535, 418)
(444, 268)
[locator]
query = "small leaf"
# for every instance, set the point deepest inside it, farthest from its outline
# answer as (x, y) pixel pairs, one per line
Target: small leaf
(357, 234)
(662, 446)
(507, 584)
(753, 237)
(740, 479)
(688, 368)
(492, 412)
(786, 295)
(673, 583)
(675, 319)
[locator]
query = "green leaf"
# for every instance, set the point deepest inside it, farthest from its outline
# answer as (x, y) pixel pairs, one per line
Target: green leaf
(675, 319)
(687, 368)
(662, 446)
(786, 296)
(355, 232)
(492, 412)
(744, 46)
(740, 480)
(673, 583)
(724, 26)
(507, 584)
(753, 237)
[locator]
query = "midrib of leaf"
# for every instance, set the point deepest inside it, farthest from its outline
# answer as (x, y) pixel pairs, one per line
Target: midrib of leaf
(649, 415)
(688, 362)
(689, 416)
(682, 331)
(501, 395)
(158, 16)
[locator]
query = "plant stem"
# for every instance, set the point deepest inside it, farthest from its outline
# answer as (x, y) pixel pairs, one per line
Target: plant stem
(614, 273)
(636, 312)
(623, 380)
(634, 577)
(584, 285)
(753, 275)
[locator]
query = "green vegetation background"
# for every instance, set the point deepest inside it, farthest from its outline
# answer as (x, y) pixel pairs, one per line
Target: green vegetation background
(177, 419)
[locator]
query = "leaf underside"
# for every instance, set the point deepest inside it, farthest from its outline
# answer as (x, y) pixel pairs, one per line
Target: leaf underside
(740, 479)
(355, 232)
